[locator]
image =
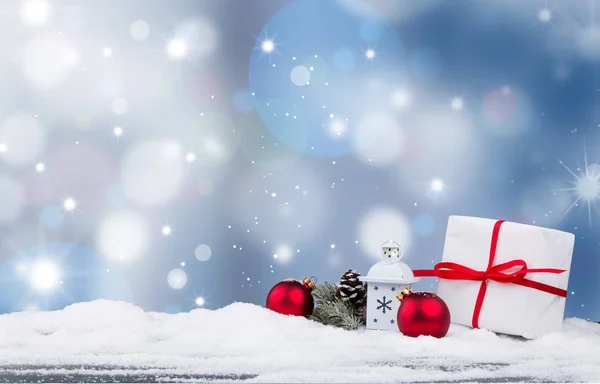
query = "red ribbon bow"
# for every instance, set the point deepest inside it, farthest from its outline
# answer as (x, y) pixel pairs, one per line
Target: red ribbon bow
(499, 273)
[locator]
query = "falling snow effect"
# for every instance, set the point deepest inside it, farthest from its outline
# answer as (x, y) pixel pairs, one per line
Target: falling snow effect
(162, 159)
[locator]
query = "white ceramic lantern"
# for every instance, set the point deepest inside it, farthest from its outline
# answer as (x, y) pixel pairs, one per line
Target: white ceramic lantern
(385, 281)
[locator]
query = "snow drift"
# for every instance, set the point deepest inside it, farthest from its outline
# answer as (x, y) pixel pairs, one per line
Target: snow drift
(245, 339)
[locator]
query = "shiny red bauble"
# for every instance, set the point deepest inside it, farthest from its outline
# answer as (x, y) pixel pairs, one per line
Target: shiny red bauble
(292, 297)
(423, 314)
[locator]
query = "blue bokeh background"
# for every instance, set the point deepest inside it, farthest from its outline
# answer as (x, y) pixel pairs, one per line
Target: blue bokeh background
(493, 99)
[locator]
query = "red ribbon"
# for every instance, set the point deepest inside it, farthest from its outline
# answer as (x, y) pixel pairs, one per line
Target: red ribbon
(499, 273)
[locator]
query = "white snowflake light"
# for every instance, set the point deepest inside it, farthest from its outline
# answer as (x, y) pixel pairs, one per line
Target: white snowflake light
(283, 254)
(40, 167)
(457, 104)
(586, 186)
(69, 204)
(45, 275)
(35, 12)
(268, 46)
(166, 230)
(370, 54)
(200, 301)
(545, 15)
(118, 131)
(190, 157)
(437, 185)
(177, 48)
(337, 127)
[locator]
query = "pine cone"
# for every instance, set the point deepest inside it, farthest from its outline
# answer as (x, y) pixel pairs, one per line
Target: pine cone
(351, 289)
(360, 311)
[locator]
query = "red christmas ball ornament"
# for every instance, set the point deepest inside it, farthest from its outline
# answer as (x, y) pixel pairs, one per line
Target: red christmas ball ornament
(292, 297)
(422, 313)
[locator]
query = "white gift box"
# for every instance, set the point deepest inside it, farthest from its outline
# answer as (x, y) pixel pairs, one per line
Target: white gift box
(508, 308)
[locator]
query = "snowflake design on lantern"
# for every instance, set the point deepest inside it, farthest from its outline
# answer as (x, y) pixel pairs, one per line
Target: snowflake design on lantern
(384, 304)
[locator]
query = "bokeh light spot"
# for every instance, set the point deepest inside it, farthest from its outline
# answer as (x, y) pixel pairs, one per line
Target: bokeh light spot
(152, 172)
(123, 236)
(203, 252)
(177, 279)
(383, 224)
(300, 75)
(24, 137)
(120, 106)
(35, 13)
(47, 60)
(379, 140)
(139, 30)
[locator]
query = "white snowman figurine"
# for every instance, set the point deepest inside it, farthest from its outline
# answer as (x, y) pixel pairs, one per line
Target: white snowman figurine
(386, 280)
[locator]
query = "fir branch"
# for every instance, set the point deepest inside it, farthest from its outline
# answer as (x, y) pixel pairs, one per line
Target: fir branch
(331, 310)
(324, 292)
(336, 313)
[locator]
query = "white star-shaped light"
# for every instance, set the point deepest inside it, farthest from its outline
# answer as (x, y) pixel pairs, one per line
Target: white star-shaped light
(40, 167)
(177, 48)
(45, 275)
(118, 131)
(190, 157)
(200, 301)
(69, 204)
(586, 186)
(166, 230)
(267, 46)
(337, 127)
(437, 185)
(370, 54)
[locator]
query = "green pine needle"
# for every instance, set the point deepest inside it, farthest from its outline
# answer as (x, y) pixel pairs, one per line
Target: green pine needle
(333, 311)
(324, 292)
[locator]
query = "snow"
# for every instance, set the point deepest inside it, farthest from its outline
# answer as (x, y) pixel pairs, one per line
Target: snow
(263, 346)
